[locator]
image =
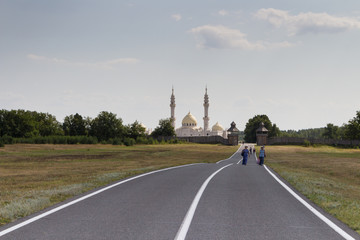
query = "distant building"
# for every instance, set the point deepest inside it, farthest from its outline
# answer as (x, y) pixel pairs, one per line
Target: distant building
(189, 126)
(148, 131)
(233, 134)
(261, 134)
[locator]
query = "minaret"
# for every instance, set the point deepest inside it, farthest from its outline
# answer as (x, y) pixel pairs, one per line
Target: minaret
(206, 111)
(172, 106)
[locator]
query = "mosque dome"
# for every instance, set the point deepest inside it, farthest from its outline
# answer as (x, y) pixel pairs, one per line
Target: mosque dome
(217, 127)
(189, 120)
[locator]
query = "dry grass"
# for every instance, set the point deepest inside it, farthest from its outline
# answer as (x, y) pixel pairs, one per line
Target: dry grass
(330, 177)
(34, 177)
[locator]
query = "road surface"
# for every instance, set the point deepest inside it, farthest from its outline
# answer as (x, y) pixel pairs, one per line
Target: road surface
(226, 201)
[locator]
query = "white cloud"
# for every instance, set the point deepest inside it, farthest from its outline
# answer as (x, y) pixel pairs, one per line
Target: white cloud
(221, 37)
(105, 65)
(223, 12)
(307, 22)
(176, 17)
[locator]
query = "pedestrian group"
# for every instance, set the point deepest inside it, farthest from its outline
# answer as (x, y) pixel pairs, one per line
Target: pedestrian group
(246, 152)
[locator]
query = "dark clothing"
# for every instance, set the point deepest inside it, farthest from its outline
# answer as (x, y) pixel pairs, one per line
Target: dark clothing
(261, 160)
(245, 156)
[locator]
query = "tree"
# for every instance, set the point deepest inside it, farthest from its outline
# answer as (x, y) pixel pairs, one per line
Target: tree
(17, 123)
(106, 126)
(135, 130)
(165, 129)
(275, 131)
(304, 133)
(47, 124)
(331, 131)
(75, 125)
(23, 124)
(352, 129)
(253, 124)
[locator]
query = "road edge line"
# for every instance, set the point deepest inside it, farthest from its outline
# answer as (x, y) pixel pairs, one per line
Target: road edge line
(47, 213)
(181, 234)
(335, 227)
(230, 156)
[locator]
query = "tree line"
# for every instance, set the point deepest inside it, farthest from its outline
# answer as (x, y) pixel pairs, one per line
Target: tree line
(22, 126)
(348, 131)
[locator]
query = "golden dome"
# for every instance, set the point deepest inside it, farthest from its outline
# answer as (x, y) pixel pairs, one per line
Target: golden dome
(189, 120)
(217, 127)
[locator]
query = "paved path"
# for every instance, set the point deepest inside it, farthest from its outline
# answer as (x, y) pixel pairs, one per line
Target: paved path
(236, 202)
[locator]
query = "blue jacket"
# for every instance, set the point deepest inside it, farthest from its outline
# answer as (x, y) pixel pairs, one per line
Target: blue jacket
(262, 153)
(246, 153)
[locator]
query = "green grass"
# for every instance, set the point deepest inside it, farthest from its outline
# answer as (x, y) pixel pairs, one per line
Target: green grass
(34, 177)
(328, 176)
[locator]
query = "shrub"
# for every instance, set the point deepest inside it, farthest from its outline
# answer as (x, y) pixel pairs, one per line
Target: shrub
(88, 140)
(151, 141)
(56, 140)
(307, 143)
(7, 139)
(142, 140)
(117, 141)
(129, 141)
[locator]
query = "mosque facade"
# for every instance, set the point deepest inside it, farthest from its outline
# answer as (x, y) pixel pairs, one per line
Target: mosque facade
(189, 125)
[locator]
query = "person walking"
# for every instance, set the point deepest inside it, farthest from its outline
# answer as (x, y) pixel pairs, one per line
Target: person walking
(262, 155)
(245, 154)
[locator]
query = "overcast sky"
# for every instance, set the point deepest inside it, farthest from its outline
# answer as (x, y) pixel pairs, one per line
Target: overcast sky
(298, 62)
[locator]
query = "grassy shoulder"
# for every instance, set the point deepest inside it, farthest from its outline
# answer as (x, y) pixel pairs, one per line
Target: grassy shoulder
(34, 177)
(328, 176)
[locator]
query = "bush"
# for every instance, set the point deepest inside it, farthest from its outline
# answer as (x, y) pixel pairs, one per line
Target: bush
(142, 140)
(152, 141)
(6, 139)
(117, 141)
(129, 141)
(2, 144)
(57, 140)
(307, 143)
(88, 140)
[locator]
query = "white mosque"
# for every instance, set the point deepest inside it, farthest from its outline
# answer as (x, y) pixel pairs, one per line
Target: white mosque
(189, 126)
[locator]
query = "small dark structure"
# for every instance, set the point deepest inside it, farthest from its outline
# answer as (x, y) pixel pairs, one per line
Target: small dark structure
(261, 135)
(233, 134)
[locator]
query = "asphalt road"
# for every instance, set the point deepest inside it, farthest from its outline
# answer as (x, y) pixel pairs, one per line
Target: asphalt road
(236, 202)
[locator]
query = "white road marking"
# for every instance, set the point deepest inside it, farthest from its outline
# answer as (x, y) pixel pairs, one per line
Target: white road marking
(313, 210)
(231, 155)
(6, 231)
(240, 161)
(181, 234)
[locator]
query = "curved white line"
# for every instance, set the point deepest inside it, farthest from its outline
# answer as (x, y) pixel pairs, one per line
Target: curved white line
(313, 210)
(230, 156)
(181, 234)
(6, 231)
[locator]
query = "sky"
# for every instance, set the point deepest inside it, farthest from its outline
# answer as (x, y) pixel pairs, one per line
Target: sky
(295, 61)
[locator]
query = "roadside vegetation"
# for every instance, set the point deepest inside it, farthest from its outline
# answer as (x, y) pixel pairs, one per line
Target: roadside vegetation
(328, 176)
(34, 177)
(20, 126)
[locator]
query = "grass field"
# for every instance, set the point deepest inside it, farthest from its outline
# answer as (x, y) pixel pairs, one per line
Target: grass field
(33, 177)
(330, 177)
